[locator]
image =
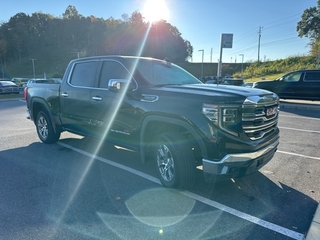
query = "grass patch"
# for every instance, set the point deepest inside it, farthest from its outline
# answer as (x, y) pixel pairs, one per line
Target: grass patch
(11, 96)
(269, 77)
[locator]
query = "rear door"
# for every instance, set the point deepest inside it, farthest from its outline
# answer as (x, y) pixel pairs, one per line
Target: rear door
(311, 85)
(75, 97)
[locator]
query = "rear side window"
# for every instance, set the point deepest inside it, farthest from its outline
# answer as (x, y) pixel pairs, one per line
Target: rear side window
(312, 76)
(83, 74)
(112, 70)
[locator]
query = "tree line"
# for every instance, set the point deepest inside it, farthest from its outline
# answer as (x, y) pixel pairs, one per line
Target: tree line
(23, 36)
(54, 41)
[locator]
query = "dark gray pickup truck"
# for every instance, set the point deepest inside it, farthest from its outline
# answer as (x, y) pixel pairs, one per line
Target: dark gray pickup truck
(163, 112)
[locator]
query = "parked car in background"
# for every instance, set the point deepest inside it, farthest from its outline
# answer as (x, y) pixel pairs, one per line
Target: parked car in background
(226, 81)
(232, 81)
(302, 84)
(20, 81)
(248, 84)
(8, 87)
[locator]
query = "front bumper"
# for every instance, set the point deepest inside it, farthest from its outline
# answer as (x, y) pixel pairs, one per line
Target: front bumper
(238, 165)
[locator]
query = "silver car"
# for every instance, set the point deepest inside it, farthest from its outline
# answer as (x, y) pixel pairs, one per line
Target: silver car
(8, 87)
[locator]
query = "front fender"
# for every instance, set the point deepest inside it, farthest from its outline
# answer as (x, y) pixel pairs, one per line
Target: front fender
(144, 141)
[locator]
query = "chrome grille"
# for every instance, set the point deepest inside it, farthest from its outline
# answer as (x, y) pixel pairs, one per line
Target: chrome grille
(260, 115)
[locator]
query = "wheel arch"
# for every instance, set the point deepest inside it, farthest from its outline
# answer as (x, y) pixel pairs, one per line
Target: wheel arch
(153, 125)
(41, 105)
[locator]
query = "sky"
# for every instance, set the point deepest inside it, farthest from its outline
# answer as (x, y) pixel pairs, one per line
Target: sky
(202, 22)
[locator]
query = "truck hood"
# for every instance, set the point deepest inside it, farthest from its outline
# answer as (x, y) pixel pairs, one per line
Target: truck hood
(216, 90)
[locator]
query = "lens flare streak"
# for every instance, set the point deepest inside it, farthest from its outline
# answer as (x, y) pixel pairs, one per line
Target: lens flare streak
(116, 109)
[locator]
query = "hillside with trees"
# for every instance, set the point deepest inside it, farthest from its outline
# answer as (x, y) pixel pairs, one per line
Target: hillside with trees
(278, 67)
(52, 42)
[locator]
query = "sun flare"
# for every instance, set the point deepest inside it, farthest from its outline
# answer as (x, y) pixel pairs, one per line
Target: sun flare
(155, 10)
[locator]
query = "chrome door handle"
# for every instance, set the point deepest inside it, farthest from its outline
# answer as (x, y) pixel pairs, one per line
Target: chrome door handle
(97, 98)
(64, 94)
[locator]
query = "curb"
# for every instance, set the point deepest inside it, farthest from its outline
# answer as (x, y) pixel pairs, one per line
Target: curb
(314, 230)
(305, 106)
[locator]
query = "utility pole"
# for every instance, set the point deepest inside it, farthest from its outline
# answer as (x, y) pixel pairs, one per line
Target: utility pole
(260, 29)
(211, 55)
(202, 63)
(242, 55)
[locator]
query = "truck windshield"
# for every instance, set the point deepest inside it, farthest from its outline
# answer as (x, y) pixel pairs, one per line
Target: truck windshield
(165, 73)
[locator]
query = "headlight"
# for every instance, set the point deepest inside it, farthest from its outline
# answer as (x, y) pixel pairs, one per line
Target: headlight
(226, 117)
(211, 112)
(229, 116)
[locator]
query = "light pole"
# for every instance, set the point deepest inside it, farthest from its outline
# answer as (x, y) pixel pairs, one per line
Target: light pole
(34, 73)
(2, 72)
(78, 54)
(242, 55)
(202, 63)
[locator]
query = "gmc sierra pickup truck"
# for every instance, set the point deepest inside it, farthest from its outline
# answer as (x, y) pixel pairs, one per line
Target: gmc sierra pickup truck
(163, 112)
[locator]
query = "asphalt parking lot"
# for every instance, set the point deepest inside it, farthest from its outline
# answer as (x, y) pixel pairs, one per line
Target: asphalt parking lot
(68, 144)
(314, 230)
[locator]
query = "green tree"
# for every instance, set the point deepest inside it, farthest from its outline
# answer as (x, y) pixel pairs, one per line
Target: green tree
(54, 41)
(71, 13)
(309, 26)
(16, 34)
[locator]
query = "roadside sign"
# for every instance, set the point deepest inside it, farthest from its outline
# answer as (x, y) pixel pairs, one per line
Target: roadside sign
(226, 40)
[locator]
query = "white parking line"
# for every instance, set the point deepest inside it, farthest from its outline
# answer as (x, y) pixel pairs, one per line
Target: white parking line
(301, 130)
(298, 155)
(300, 117)
(244, 216)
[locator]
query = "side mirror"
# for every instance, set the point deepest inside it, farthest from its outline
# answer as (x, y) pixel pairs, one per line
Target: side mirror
(118, 84)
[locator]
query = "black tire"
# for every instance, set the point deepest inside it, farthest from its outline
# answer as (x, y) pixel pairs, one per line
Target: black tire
(175, 161)
(45, 129)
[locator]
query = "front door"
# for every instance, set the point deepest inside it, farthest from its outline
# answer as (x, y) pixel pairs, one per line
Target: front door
(115, 110)
(290, 84)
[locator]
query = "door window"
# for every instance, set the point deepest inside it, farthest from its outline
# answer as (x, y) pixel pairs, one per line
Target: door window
(112, 70)
(292, 77)
(84, 74)
(312, 76)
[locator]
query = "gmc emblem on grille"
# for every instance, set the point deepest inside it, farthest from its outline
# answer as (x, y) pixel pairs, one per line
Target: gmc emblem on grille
(271, 111)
